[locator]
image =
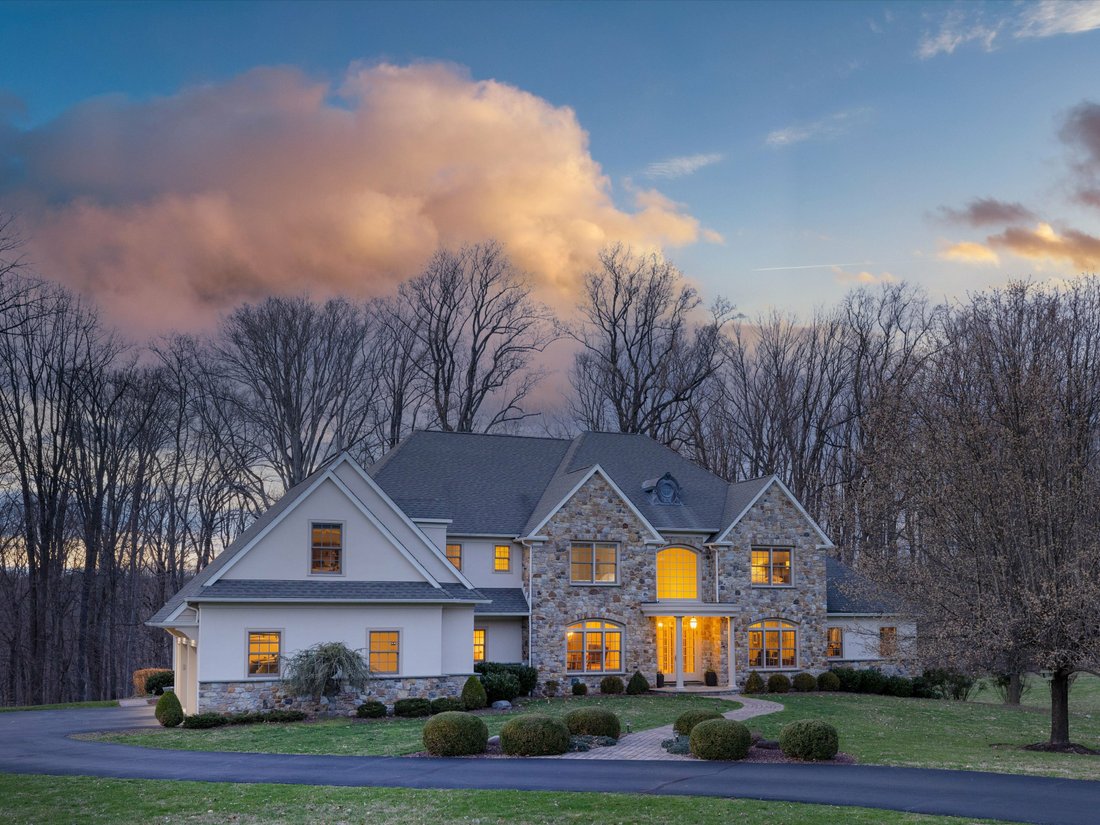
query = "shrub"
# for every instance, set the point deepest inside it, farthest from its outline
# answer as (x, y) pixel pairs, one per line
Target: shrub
(500, 685)
(948, 684)
(473, 694)
(690, 718)
(779, 683)
(152, 680)
(551, 687)
(611, 684)
(313, 671)
(720, 739)
(593, 722)
(898, 686)
(534, 735)
(809, 739)
(828, 681)
(169, 711)
(804, 682)
(754, 684)
(528, 677)
(447, 704)
(371, 710)
(205, 720)
(580, 689)
(921, 688)
(849, 679)
(637, 684)
(453, 733)
(710, 678)
(412, 707)
(872, 680)
(282, 716)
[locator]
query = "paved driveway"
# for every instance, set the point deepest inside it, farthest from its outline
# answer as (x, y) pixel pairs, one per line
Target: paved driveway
(38, 742)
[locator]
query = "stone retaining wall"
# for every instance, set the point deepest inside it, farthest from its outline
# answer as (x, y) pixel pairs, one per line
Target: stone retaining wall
(241, 697)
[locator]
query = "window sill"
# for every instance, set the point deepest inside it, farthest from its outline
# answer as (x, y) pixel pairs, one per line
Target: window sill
(595, 584)
(595, 672)
(265, 678)
(793, 669)
(773, 586)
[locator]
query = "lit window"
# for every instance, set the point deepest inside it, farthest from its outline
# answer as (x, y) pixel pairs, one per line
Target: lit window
(594, 563)
(502, 558)
(263, 653)
(454, 555)
(677, 574)
(773, 644)
(834, 643)
(479, 644)
(593, 646)
(327, 542)
(887, 641)
(385, 649)
(771, 566)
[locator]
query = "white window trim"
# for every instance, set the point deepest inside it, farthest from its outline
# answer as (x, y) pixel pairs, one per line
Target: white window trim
(841, 630)
(400, 631)
(461, 559)
(797, 643)
(263, 677)
(493, 558)
(616, 627)
(593, 583)
(484, 645)
(343, 572)
(771, 548)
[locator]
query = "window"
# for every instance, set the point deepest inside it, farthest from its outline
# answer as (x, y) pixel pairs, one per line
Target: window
(887, 641)
(327, 542)
(385, 650)
(771, 566)
(479, 644)
(454, 555)
(773, 644)
(834, 642)
(677, 574)
(593, 646)
(502, 558)
(594, 563)
(263, 653)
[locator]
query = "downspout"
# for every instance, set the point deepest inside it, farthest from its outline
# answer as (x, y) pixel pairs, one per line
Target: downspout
(530, 567)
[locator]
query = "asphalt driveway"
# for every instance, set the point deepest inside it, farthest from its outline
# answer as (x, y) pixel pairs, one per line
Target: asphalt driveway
(39, 742)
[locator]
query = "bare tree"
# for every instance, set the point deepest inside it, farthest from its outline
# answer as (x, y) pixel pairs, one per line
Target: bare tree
(395, 353)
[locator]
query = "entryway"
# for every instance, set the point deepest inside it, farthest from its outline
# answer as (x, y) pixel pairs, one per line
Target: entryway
(666, 649)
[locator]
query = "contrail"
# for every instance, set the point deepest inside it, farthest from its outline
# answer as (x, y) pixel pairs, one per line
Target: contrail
(811, 266)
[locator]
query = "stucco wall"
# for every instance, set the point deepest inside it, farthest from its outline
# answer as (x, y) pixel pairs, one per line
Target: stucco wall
(503, 639)
(477, 562)
(861, 637)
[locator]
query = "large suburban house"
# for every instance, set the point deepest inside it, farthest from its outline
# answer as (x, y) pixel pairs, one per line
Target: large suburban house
(602, 554)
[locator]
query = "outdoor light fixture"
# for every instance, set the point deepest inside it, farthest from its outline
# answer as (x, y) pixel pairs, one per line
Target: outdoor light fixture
(693, 623)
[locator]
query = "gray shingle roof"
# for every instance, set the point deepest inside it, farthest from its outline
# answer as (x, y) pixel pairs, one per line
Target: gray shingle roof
(333, 591)
(505, 600)
(849, 592)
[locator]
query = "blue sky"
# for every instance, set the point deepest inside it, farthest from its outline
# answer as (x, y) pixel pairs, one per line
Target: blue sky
(802, 134)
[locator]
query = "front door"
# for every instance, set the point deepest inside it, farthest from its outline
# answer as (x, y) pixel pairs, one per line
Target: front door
(666, 649)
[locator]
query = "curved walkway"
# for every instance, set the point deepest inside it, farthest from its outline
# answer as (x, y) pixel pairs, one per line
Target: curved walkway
(39, 742)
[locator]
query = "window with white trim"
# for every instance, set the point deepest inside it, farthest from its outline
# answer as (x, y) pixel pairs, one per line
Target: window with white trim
(384, 649)
(593, 562)
(771, 566)
(773, 644)
(454, 555)
(479, 644)
(834, 642)
(594, 646)
(502, 558)
(263, 652)
(326, 548)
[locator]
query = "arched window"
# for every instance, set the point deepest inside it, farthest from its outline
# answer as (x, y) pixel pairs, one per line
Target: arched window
(677, 574)
(773, 644)
(593, 646)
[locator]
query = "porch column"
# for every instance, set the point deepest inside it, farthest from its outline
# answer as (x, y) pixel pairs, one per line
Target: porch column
(731, 652)
(679, 652)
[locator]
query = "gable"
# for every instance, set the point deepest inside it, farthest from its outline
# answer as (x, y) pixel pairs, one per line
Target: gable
(777, 516)
(592, 499)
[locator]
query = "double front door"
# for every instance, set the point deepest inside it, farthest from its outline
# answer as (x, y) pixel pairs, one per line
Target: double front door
(666, 649)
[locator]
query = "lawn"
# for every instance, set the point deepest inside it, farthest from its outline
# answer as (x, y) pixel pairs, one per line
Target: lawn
(105, 703)
(68, 800)
(394, 737)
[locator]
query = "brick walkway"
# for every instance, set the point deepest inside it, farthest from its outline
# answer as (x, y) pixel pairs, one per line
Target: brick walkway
(646, 744)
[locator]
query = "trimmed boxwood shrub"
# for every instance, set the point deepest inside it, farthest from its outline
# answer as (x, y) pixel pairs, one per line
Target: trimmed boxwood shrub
(593, 722)
(473, 694)
(500, 686)
(722, 739)
(804, 682)
(637, 684)
(205, 720)
(169, 711)
(371, 710)
(828, 681)
(611, 684)
(528, 677)
(412, 707)
(690, 718)
(849, 679)
(580, 689)
(872, 680)
(754, 684)
(551, 687)
(779, 683)
(453, 733)
(534, 735)
(447, 704)
(809, 739)
(898, 686)
(158, 680)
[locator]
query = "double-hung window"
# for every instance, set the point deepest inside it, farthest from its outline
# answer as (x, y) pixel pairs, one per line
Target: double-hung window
(384, 648)
(263, 652)
(454, 555)
(326, 548)
(594, 563)
(834, 643)
(771, 566)
(502, 558)
(887, 641)
(479, 644)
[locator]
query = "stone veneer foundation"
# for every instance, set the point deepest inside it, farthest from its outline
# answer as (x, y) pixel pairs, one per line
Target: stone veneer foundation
(241, 697)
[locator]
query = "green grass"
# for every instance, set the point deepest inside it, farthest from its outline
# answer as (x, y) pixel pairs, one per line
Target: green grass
(394, 737)
(927, 733)
(105, 703)
(68, 800)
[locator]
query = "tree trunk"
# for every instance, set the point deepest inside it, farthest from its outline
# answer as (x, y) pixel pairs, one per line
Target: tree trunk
(1059, 708)
(1015, 690)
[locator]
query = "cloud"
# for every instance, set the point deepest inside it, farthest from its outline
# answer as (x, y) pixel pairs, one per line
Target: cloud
(1044, 245)
(1081, 132)
(681, 166)
(1051, 17)
(956, 29)
(986, 212)
(832, 126)
(969, 252)
(173, 208)
(962, 26)
(863, 277)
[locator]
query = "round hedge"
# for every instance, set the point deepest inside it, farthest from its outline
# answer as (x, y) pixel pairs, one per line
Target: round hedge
(611, 684)
(169, 711)
(156, 682)
(445, 704)
(722, 739)
(809, 739)
(371, 710)
(804, 682)
(500, 686)
(412, 707)
(580, 689)
(637, 684)
(754, 684)
(778, 683)
(828, 681)
(473, 694)
(593, 722)
(454, 733)
(534, 735)
(687, 720)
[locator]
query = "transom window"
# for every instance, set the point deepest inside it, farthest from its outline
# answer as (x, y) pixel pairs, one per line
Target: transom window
(677, 574)
(502, 558)
(593, 562)
(479, 644)
(327, 547)
(773, 644)
(771, 565)
(593, 646)
(887, 641)
(834, 642)
(263, 653)
(385, 651)
(454, 555)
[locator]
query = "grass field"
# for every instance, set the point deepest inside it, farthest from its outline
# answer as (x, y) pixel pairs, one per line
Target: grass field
(393, 737)
(50, 800)
(106, 703)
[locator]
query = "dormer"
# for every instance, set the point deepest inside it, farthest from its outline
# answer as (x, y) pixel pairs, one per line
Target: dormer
(663, 490)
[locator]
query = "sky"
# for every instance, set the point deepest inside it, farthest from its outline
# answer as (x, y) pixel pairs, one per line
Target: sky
(172, 159)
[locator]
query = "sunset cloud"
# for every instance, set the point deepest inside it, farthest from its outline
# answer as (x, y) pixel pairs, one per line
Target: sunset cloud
(173, 208)
(987, 212)
(681, 167)
(968, 252)
(1044, 245)
(1081, 132)
(832, 126)
(862, 277)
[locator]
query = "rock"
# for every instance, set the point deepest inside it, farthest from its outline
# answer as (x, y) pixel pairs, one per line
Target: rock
(502, 704)
(493, 740)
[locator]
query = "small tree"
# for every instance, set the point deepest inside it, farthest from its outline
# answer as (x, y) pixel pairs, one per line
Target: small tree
(318, 671)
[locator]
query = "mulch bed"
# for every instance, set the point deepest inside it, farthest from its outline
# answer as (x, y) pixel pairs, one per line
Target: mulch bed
(1073, 747)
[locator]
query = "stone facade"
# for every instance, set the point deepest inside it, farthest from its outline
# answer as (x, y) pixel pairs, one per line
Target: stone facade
(241, 697)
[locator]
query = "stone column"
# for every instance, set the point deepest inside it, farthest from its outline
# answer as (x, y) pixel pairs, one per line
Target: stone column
(678, 650)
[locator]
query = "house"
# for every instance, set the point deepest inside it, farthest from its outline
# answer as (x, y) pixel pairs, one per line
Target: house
(605, 553)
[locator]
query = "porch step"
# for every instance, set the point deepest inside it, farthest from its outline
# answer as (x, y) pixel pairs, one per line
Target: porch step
(696, 690)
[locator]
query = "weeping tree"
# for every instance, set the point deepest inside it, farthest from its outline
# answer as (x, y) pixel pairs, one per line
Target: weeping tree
(319, 670)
